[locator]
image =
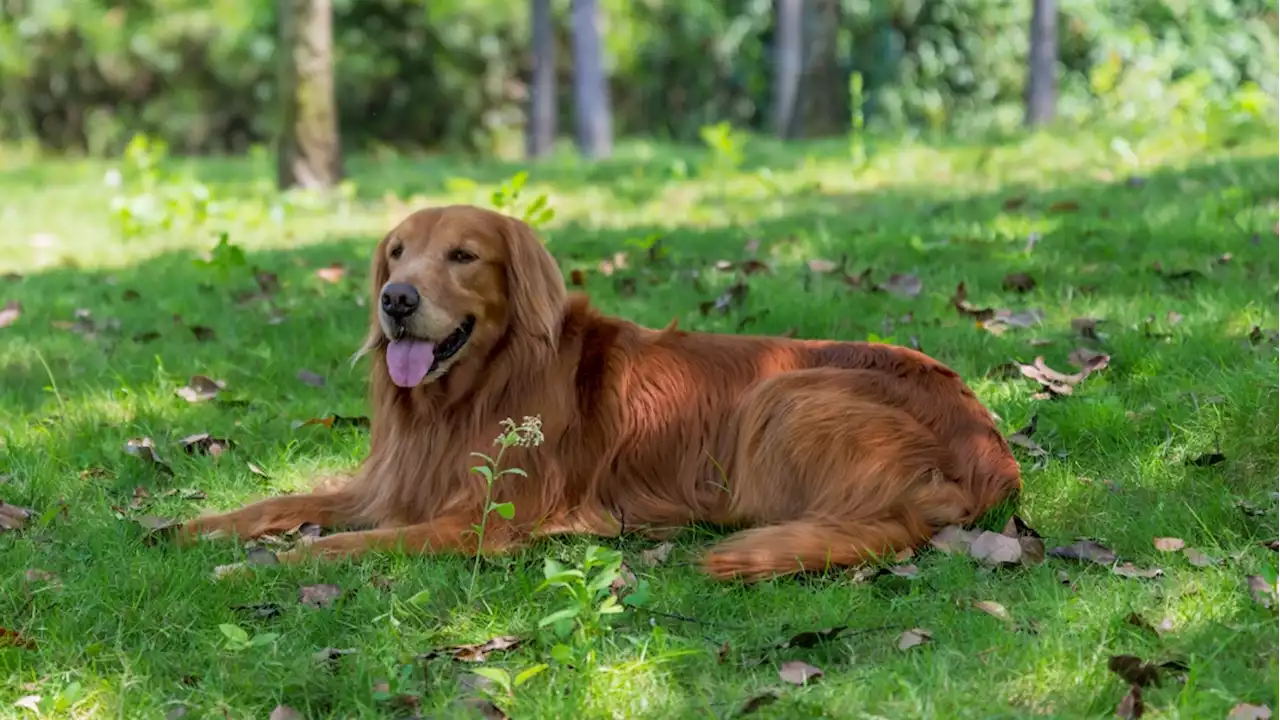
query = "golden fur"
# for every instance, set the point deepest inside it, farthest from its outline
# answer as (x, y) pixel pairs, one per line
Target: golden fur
(822, 453)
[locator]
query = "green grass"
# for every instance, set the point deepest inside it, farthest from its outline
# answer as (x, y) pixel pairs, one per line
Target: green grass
(133, 629)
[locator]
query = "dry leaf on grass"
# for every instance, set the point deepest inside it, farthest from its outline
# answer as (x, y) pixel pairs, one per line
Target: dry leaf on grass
(756, 702)
(332, 274)
(1263, 592)
(10, 313)
(205, 444)
(913, 637)
(1060, 383)
(903, 285)
(13, 517)
(1245, 711)
(1200, 559)
(1129, 570)
(656, 555)
(1133, 670)
(798, 672)
(319, 596)
(145, 449)
(1168, 544)
(996, 549)
(1085, 551)
(311, 378)
(36, 575)
(13, 638)
(1130, 706)
(474, 652)
(284, 712)
(1018, 282)
(1083, 357)
(994, 609)
(822, 266)
(200, 388)
(909, 571)
(953, 539)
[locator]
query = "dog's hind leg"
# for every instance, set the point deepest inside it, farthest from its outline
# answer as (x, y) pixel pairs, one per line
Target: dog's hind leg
(825, 475)
(327, 509)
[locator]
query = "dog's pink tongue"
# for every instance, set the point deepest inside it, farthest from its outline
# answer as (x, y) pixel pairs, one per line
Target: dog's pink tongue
(408, 361)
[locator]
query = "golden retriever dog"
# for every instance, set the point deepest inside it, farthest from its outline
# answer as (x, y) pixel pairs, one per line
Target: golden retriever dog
(820, 453)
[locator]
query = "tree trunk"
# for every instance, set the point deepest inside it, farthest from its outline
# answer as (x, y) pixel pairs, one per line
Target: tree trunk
(590, 87)
(1042, 63)
(309, 151)
(823, 86)
(788, 63)
(541, 130)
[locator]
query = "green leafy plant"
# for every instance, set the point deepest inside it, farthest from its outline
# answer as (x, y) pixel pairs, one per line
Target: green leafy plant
(224, 259)
(506, 682)
(590, 600)
(507, 199)
(527, 434)
(727, 145)
(238, 639)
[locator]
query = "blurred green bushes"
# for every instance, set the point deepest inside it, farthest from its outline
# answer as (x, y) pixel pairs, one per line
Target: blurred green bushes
(199, 74)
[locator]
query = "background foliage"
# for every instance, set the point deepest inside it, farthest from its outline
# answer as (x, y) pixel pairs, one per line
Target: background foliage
(87, 74)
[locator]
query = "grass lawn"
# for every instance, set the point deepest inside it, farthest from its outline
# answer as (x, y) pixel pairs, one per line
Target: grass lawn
(1174, 254)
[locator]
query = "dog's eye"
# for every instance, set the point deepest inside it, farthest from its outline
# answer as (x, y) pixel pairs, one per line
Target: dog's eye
(458, 255)
(396, 252)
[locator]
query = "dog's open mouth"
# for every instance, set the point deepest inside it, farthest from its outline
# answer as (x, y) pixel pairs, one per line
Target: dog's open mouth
(411, 359)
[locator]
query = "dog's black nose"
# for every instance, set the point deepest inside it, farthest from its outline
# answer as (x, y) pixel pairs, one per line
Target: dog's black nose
(399, 300)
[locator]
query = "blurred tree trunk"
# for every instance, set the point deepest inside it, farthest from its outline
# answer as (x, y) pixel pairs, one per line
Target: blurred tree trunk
(590, 87)
(542, 87)
(823, 84)
(309, 151)
(788, 63)
(1042, 63)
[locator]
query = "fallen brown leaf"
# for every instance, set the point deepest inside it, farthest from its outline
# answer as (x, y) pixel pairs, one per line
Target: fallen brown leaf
(993, 609)
(656, 555)
(909, 572)
(1029, 540)
(1263, 592)
(13, 517)
(145, 449)
(798, 672)
(10, 313)
(821, 266)
(953, 539)
(1245, 711)
(996, 549)
(756, 702)
(1168, 544)
(960, 302)
(622, 584)
(200, 388)
(205, 444)
(1130, 707)
(203, 333)
(284, 712)
(1083, 357)
(1085, 551)
(913, 637)
(475, 652)
(319, 596)
(1129, 570)
(1133, 670)
(1059, 383)
(903, 285)
(332, 274)
(1200, 559)
(1018, 282)
(15, 639)
(1273, 545)
(36, 575)
(1064, 206)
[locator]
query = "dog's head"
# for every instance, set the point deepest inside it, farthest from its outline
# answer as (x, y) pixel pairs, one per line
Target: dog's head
(451, 284)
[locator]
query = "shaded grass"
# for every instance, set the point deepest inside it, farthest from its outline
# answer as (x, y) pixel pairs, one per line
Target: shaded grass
(133, 629)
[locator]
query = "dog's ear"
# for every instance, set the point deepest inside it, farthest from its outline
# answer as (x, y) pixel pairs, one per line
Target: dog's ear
(535, 287)
(379, 273)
